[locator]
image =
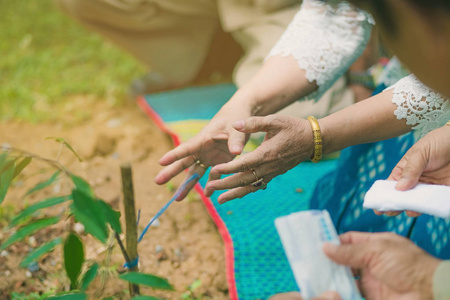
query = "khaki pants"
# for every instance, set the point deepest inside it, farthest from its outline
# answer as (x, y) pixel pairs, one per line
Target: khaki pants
(173, 37)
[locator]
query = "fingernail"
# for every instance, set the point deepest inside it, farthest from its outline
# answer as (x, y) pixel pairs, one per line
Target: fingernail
(236, 149)
(239, 125)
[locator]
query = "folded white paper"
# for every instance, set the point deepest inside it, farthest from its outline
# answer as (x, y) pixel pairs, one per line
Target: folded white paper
(430, 199)
(303, 235)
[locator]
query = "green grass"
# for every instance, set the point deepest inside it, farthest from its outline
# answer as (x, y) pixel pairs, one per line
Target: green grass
(45, 58)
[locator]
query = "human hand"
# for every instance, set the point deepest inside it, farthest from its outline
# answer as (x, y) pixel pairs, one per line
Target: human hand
(427, 161)
(288, 142)
(216, 143)
(390, 266)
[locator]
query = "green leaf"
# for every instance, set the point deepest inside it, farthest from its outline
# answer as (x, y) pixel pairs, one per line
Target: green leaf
(43, 184)
(38, 252)
(43, 204)
(82, 185)
(89, 276)
(28, 230)
(88, 211)
(195, 285)
(3, 157)
(147, 280)
(73, 258)
(145, 298)
(112, 216)
(63, 141)
(72, 296)
(6, 176)
(20, 166)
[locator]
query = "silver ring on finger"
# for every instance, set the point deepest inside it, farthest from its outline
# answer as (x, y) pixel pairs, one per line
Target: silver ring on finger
(260, 184)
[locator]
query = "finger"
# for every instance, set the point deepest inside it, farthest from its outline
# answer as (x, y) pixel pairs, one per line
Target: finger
(389, 213)
(173, 170)
(254, 124)
(182, 151)
(236, 193)
(354, 255)
(242, 164)
(392, 213)
(377, 212)
(236, 142)
(240, 179)
(355, 237)
(413, 214)
(189, 186)
(416, 164)
(396, 173)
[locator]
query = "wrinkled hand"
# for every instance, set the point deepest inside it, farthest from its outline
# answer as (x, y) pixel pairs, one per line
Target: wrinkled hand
(427, 161)
(288, 142)
(390, 266)
(216, 143)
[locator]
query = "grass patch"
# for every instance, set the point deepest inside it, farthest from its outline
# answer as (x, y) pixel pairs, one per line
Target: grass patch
(46, 58)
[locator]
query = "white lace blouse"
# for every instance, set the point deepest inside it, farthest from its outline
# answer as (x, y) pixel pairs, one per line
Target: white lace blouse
(326, 40)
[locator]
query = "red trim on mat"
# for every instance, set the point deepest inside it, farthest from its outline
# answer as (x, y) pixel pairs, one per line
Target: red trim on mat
(226, 237)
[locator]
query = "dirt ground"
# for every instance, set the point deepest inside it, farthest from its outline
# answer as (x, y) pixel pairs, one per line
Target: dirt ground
(185, 247)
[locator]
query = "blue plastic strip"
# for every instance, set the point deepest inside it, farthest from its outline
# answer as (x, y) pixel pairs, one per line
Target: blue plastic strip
(131, 264)
(164, 208)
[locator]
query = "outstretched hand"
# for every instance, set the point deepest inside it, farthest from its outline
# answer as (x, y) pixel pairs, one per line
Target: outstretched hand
(218, 142)
(427, 161)
(288, 142)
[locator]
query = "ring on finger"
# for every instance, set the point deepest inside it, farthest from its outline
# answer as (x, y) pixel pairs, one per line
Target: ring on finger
(199, 163)
(254, 174)
(260, 184)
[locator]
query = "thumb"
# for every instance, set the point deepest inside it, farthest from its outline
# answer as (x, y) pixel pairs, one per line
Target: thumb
(416, 162)
(236, 142)
(347, 254)
(252, 125)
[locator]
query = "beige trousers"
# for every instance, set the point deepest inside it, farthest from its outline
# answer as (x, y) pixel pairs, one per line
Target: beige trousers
(173, 37)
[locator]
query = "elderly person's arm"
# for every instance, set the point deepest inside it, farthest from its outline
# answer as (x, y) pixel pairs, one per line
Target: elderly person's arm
(317, 48)
(407, 105)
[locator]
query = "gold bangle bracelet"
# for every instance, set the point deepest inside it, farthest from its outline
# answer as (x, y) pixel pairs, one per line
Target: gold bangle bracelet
(448, 123)
(317, 139)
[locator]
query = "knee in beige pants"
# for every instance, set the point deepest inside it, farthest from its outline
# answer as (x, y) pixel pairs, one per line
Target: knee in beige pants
(169, 36)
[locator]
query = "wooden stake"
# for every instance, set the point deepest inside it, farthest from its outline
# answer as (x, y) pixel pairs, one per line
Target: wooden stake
(130, 220)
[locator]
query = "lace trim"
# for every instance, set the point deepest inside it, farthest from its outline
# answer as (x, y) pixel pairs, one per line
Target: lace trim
(420, 106)
(325, 41)
(393, 72)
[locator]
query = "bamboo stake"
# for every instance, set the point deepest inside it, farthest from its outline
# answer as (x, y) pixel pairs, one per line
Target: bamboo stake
(130, 220)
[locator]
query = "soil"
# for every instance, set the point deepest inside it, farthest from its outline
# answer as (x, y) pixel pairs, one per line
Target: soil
(185, 247)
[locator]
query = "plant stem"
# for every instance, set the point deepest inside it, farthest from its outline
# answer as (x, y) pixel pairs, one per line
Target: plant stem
(24, 153)
(130, 220)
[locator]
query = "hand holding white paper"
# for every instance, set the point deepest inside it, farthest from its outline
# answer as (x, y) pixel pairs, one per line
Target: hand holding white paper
(303, 235)
(430, 199)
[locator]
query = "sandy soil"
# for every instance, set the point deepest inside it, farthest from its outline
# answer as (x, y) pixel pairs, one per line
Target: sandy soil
(185, 246)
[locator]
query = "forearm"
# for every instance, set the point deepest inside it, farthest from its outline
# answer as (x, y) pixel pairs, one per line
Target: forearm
(366, 121)
(279, 82)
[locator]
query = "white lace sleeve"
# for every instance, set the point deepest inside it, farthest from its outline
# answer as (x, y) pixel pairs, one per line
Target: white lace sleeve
(325, 41)
(420, 106)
